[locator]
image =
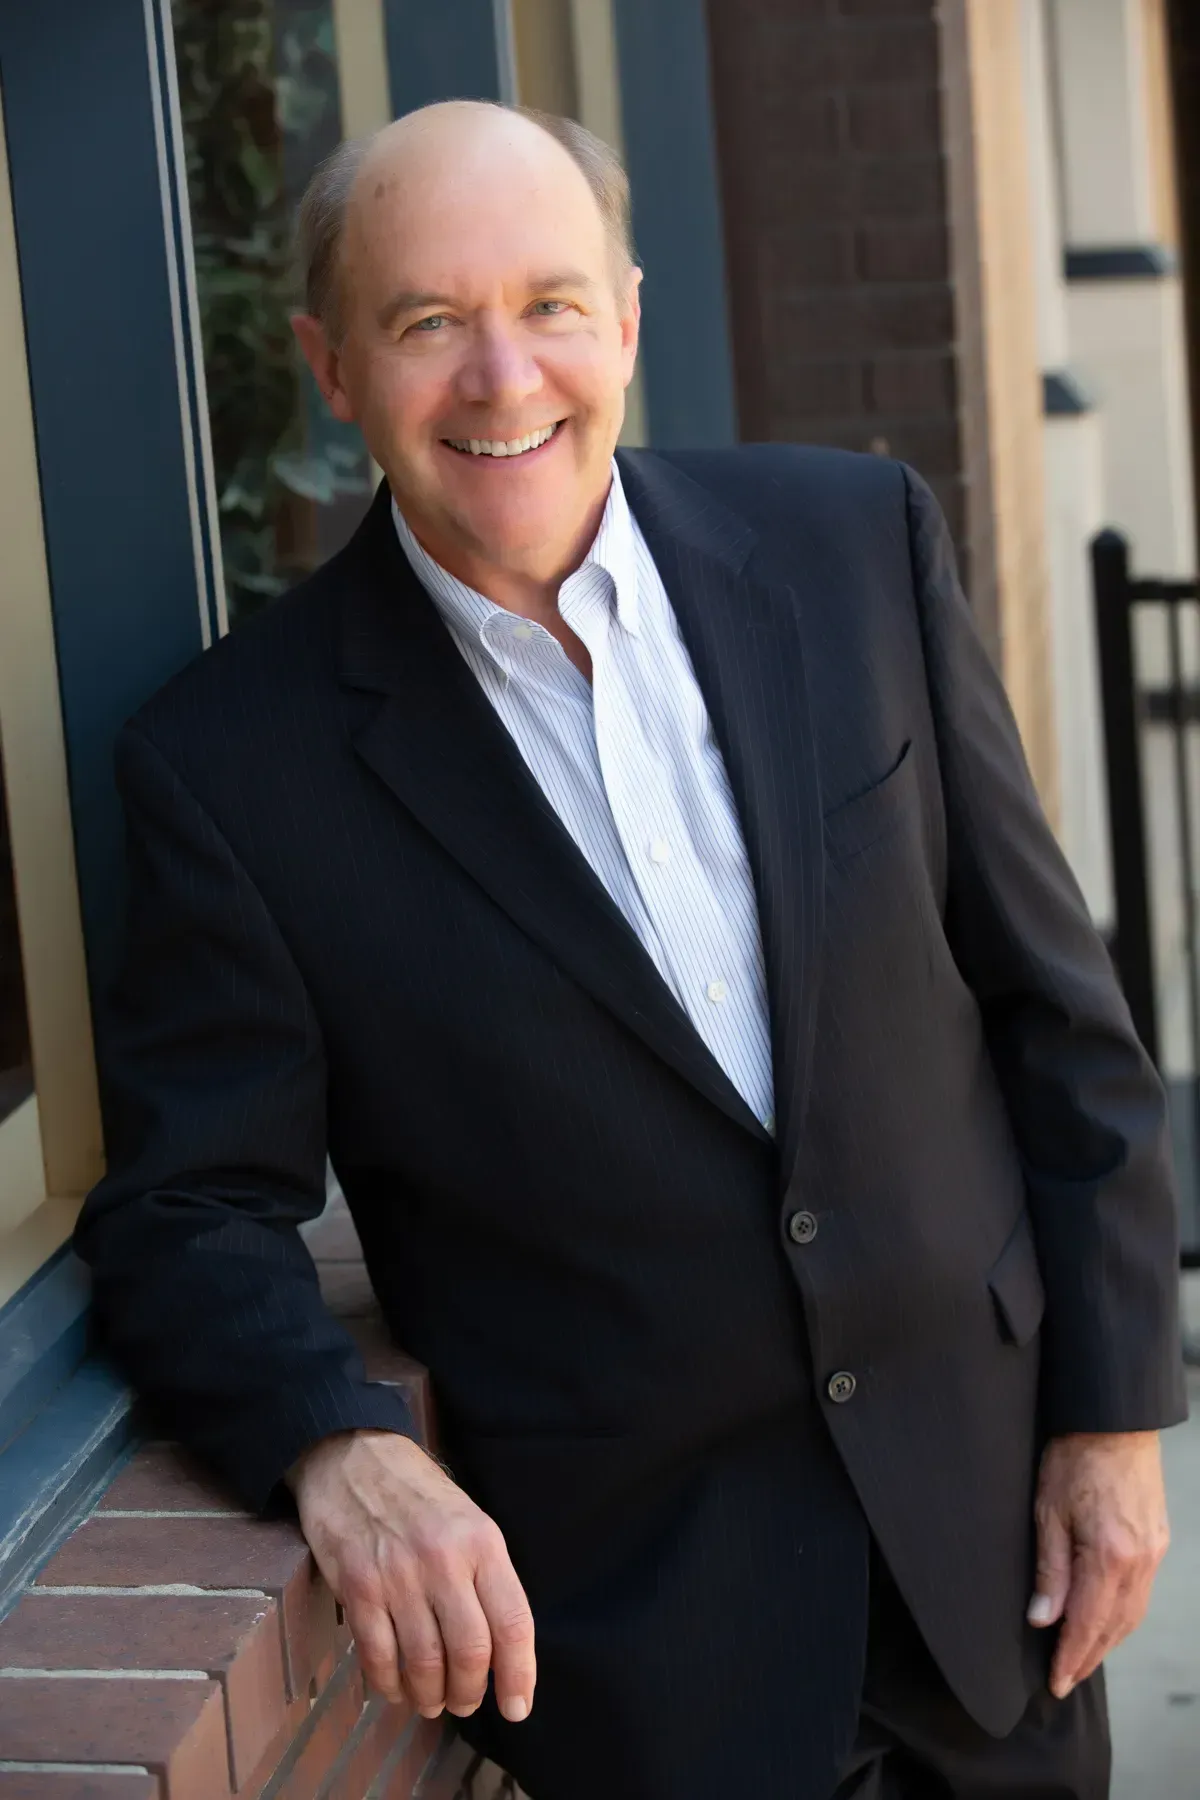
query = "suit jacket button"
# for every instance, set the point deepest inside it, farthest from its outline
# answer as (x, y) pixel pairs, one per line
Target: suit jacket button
(802, 1228)
(841, 1387)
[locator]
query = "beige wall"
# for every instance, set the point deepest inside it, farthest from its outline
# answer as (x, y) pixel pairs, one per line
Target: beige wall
(361, 45)
(994, 236)
(544, 43)
(1157, 74)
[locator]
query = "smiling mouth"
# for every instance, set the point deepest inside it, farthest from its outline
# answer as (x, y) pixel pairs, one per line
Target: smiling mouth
(521, 446)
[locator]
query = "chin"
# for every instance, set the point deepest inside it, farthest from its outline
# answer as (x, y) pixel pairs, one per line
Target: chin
(506, 531)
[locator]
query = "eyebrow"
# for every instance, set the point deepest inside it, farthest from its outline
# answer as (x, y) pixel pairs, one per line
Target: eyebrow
(556, 282)
(411, 302)
(562, 278)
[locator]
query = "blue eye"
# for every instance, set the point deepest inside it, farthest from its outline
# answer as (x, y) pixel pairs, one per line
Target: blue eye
(544, 306)
(432, 324)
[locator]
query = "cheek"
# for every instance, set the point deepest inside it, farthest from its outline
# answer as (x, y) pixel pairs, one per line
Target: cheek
(401, 396)
(585, 370)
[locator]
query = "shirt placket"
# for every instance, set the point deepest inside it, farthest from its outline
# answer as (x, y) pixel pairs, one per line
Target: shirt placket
(654, 834)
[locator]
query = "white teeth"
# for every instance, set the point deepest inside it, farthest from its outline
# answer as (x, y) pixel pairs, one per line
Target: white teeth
(504, 447)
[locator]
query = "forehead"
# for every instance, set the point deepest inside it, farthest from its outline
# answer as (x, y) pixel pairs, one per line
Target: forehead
(494, 207)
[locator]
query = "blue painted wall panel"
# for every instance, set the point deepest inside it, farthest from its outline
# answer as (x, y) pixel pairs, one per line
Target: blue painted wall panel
(670, 150)
(54, 1471)
(93, 262)
(442, 52)
(43, 1336)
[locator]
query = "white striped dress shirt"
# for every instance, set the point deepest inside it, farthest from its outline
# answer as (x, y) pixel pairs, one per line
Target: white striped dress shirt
(630, 765)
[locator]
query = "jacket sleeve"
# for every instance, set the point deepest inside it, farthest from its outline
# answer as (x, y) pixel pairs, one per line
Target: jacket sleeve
(214, 1078)
(1086, 1106)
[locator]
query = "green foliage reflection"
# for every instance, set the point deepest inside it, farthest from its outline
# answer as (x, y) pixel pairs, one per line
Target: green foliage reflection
(259, 102)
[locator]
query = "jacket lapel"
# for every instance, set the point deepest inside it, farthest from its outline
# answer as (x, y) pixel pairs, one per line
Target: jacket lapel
(436, 742)
(744, 638)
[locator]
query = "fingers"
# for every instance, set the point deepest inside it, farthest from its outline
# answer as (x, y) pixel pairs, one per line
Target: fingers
(375, 1640)
(1091, 1605)
(511, 1625)
(1053, 1569)
(471, 1617)
(468, 1642)
(1129, 1604)
(454, 1611)
(422, 1652)
(1110, 1591)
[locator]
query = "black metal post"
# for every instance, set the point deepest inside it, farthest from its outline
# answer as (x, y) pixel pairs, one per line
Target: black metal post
(1127, 826)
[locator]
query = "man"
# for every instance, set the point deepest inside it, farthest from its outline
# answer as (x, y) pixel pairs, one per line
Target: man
(630, 875)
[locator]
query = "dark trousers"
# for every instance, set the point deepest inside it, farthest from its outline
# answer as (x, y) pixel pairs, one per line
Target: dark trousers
(915, 1742)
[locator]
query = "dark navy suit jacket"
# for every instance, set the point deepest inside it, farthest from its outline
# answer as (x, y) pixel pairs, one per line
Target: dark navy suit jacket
(358, 927)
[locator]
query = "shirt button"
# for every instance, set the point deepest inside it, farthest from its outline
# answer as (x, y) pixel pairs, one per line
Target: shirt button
(660, 850)
(524, 632)
(769, 1124)
(716, 992)
(841, 1387)
(802, 1228)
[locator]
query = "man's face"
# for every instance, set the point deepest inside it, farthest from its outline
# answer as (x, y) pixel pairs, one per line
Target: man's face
(483, 311)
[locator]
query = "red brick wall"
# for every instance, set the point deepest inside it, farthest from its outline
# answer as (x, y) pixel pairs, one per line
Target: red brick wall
(847, 296)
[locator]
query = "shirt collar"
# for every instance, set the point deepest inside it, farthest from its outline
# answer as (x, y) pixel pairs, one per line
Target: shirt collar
(615, 551)
(467, 611)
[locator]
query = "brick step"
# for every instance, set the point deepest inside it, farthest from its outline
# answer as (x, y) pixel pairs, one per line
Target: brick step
(175, 1648)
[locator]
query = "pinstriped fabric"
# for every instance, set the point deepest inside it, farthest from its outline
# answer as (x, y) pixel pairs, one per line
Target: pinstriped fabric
(630, 764)
(359, 923)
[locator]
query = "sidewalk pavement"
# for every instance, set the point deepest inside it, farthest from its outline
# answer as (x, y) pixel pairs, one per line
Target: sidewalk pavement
(1154, 1678)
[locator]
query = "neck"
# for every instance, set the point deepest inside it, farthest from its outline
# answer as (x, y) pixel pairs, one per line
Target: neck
(529, 584)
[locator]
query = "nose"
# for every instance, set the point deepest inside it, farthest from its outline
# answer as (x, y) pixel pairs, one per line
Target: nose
(497, 370)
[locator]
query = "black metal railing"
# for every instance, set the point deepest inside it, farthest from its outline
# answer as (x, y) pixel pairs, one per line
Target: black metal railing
(1143, 870)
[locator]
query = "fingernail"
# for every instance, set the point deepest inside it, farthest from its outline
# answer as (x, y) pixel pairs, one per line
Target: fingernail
(431, 1712)
(1041, 1610)
(515, 1708)
(1060, 1689)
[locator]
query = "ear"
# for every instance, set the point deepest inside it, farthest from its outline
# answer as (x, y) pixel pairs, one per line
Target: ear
(325, 364)
(631, 318)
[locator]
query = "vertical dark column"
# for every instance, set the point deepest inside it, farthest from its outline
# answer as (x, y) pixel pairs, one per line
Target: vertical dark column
(454, 51)
(666, 107)
(1184, 49)
(833, 156)
(1133, 946)
(98, 230)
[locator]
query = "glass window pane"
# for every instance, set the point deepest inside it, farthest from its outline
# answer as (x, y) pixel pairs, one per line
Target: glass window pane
(258, 86)
(16, 1075)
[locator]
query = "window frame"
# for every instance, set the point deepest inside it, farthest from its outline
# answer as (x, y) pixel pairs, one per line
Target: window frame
(51, 1145)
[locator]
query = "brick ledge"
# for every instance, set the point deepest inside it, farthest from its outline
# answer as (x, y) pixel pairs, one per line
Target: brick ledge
(174, 1648)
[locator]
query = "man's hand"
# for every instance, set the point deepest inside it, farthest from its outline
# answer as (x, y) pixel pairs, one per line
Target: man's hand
(1102, 1532)
(424, 1576)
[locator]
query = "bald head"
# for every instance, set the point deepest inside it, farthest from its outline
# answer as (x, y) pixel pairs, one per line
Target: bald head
(447, 146)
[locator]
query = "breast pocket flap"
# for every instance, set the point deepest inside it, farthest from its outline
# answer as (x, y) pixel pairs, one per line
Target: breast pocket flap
(854, 825)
